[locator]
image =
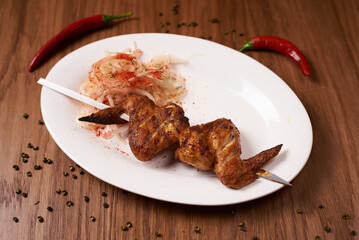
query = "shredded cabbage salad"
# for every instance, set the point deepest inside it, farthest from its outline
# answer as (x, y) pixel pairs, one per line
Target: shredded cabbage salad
(121, 73)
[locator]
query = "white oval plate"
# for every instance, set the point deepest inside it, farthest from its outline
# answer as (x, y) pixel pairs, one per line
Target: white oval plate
(221, 82)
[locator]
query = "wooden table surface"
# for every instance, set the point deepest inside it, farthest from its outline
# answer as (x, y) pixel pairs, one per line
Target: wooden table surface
(327, 31)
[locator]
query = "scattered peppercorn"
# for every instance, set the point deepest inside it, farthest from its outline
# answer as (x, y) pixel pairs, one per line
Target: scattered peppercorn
(40, 122)
(105, 205)
(45, 160)
(353, 233)
(72, 169)
(69, 203)
(300, 211)
(16, 167)
(157, 234)
(26, 116)
(197, 229)
(175, 9)
(66, 174)
(24, 195)
(25, 155)
(29, 145)
(124, 228)
(327, 229)
(93, 219)
(49, 209)
(37, 167)
(15, 219)
(103, 194)
(41, 219)
(24, 160)
(18, 191)
(58, 191)
(321, 206)
(35, 148)
(86, 199)
(64, 192)
(29, 174)
(129, 224)
(242, 226)
(82, 173)
(346, 216)
(194, 24)
(49, 161)
(74, 176)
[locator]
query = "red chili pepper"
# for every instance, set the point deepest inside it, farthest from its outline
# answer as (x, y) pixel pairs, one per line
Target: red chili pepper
(78, 27)
(279, 45)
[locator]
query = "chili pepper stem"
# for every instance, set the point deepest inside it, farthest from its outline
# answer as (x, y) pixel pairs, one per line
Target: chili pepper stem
(108, 18)
(247, 46)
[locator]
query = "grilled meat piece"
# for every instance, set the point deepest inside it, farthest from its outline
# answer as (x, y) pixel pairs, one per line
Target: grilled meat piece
(216, 146)
(151, 128)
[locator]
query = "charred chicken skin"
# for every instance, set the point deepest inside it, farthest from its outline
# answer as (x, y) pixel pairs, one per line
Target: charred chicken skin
(151, 128)
(216, 146)
(211, 146)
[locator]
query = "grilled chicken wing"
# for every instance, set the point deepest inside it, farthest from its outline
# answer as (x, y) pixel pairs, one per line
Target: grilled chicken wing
(151, 128)
(216, 146)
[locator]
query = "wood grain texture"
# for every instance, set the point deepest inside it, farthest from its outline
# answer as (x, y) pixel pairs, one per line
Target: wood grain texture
(325, 30)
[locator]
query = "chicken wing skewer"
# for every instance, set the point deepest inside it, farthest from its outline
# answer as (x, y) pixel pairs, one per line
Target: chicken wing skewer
(151, 128)
(216, 146)
(211, 146)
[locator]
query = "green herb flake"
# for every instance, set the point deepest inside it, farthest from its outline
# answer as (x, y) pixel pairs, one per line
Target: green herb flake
(129, 224)
(69, 203)
(29, 145)
(160, 13)
(86, 199)
(93, 219)
(197, 229)
(124, 228)
(74, 176)
(15, 219)
(65, 174)
(25, 155)
(29, 174)
(64, 192)
(40, 122)
(24, 195)
(194, 24)
(214, 20)
(58, 191)
(157, 234)
(26, 116)
(346, 216)
(24, 160)
(35, 148)
(105, 205)
(72, 168)
(18, 191)
(299, 211)
(16, 167)
(317, 238)
(50, 209)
